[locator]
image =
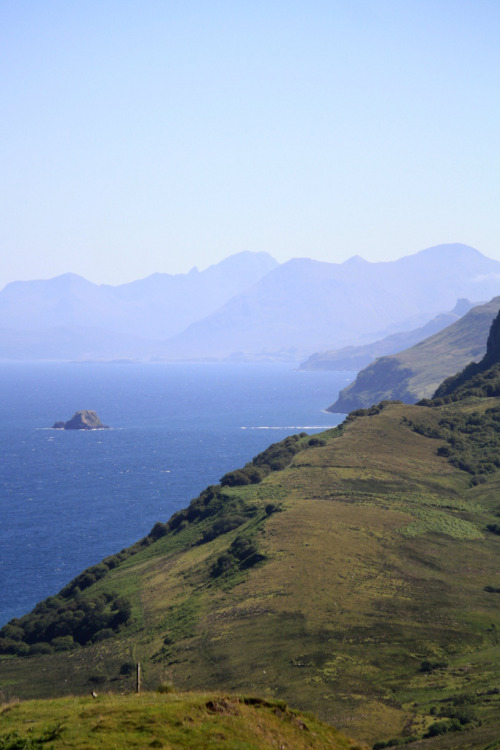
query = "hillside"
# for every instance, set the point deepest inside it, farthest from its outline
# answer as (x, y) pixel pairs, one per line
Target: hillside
(184, 721)
(415, 373)
(353, 573)
(357, 357)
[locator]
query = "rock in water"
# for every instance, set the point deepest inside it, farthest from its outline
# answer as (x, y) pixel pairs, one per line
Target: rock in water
(81, 420)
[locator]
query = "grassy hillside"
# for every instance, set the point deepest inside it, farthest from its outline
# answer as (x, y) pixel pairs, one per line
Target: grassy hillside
(415, 373)
(353, 574)
(357, 357)
(189, 721)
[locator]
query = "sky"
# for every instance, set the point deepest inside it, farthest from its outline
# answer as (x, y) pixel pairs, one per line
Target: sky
(153, 136)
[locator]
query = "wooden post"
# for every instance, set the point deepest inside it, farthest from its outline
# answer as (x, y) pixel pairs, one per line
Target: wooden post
(138, 679)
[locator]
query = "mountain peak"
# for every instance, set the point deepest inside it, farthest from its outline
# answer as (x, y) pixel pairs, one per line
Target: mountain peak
(355, 260)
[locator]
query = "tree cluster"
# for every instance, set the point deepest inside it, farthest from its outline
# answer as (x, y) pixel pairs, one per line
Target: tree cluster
(60, 624)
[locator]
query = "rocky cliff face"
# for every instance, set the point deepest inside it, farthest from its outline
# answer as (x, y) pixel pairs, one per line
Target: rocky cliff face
(482, 377)
(81, 420)
(492, 355)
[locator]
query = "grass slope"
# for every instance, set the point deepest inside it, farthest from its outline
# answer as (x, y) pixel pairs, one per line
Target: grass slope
(357, 357)
(415, 373)
(360, 582)
(177, 721)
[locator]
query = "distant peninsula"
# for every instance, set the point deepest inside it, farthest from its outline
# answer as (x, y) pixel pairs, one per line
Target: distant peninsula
(81, 420)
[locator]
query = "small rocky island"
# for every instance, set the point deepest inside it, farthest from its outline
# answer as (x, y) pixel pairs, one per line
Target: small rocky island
(81, 420)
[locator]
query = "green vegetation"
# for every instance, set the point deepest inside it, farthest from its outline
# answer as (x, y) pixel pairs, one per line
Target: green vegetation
(165, 719)
(59, 624)
(274, 458)
(357, 579)
(472, 438)
(337, 583)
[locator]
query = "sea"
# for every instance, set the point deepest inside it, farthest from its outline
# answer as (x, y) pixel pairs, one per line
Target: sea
(70, 498)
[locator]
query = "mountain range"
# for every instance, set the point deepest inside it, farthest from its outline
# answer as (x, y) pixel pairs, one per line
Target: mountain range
(353, 573)
(245, 307)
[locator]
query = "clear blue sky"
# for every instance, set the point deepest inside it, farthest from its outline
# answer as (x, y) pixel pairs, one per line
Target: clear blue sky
(153, 135)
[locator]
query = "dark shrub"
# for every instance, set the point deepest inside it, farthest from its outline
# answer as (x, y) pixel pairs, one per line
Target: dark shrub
(41, 648)
(235, 478)
(252, 560)
(222, 526)
(63, 643)
(97, 679)
(315, 442)
(12, 632)
(430, 666)
(223, 563)
(158, 530)
(176, 519)
(127, 668)
(101, 635)
(242, 548)
(17, 648)
(123, 611)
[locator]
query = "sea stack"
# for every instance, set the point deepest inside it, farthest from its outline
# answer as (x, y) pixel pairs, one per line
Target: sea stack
(81, 420)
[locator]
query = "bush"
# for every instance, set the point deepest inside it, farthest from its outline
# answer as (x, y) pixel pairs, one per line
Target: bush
(315, 442)
(223, 563)
(97, 679)
(127, 668)
(222, 526)
(236, 478)
(63, 643)
(158, 530)
(443, 727)
(16, 648)
(430, 666)
(494, 528)
(101, 635)
(41, 648)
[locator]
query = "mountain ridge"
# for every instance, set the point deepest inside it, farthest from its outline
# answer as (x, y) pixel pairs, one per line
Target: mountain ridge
(415, 373)
(259, 309)
(153, 307)
(358, 357)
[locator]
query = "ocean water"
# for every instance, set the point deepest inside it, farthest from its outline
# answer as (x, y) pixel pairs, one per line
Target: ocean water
(68, 499)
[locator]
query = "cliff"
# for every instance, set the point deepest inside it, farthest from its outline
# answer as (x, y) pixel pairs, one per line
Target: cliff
(415, 373)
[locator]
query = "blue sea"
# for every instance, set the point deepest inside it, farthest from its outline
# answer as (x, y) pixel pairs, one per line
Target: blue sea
(68, 499)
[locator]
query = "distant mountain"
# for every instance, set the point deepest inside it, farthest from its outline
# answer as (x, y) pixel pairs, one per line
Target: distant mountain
(246, 307)
(69, 317)
(304, 305)
(357, 357)
(415, 373)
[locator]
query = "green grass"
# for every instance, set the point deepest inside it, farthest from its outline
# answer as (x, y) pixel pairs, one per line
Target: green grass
(181, 721)
(374, 559)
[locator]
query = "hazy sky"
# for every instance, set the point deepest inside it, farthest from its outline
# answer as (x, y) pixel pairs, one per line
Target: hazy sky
(153, 135)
